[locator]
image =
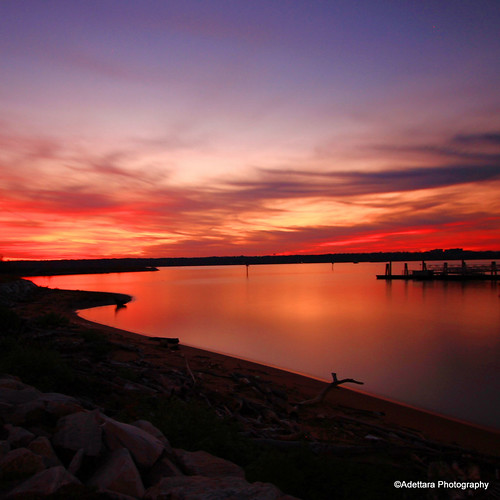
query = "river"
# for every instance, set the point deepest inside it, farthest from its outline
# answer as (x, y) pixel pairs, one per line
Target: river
(430, 344)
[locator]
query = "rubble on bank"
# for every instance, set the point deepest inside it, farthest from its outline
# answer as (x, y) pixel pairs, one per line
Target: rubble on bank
(58, 446)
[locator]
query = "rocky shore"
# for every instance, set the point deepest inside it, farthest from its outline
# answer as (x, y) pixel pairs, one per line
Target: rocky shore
(235, 426)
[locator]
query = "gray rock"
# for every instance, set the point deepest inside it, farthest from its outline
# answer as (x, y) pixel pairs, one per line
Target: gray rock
(42, 446)
(18, 396)
(154, 431)
(20, 463)
(28, 412)
(144, 448)
(209, 488)
(11, 382)
(201, 463)
(76, 461)
(113, 495)
(164, 467)
(4, 448)
(18, 436)
(45, 483)
(80, 430)
(17, 289)
(60, 404)
(119, 474)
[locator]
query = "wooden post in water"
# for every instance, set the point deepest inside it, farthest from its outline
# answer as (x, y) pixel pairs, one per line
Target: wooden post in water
(388, 269)
(493, 268)
(248, 265)
(445, 268)
(406, 269)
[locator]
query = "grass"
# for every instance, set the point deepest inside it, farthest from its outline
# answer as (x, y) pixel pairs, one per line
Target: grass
(10, 321)
(51, 320)
(39, 366)
(98, 345)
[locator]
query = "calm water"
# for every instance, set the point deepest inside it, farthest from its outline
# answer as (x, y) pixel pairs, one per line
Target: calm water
(435, 345)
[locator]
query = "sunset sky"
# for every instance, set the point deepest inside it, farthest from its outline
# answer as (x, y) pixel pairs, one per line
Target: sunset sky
(158, 128)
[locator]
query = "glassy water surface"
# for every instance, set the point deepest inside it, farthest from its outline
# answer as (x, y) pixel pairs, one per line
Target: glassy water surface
(435, 345)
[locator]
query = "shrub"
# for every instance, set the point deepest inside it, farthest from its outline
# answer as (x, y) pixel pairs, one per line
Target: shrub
(10, 321)
(41, 367)
(51, 320)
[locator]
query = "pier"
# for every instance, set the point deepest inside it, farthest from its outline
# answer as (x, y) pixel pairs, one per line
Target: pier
(463, 272)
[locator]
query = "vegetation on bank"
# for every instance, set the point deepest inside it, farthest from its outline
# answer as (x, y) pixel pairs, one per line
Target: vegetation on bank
(28, 351)
(91, 266)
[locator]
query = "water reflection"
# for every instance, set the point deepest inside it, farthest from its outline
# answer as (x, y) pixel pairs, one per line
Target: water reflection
(431, 344)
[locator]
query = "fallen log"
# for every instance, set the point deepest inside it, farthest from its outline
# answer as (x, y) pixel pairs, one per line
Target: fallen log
(327, 389)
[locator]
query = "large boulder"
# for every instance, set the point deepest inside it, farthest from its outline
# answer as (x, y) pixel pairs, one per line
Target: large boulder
(11, 382)
(119, 474)
(20, 463)
(147, 426)
(201, 463)
(4, 448)
(209, 488)
(45, 483)
(18, 436)
(144, 448)
(164, 467)
(18, 396)
(60, 404)
(42, 446)
(80, 430)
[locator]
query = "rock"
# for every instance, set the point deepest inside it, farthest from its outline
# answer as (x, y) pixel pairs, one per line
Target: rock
(60, 404)
(119, 474)
(20, 463)
(28, 412)
(18, 396)
(76, 461)
(42, 446)
(54, 404)
(144, 448)
(162, 468)
(207, 488)
(154, 431)
(45, 483)
(18, 436)
(4, 448)
(114, 495)
(11, 382)
(201, 463)
(80, 430)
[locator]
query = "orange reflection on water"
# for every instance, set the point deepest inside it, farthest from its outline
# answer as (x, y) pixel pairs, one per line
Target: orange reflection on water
(410, 341)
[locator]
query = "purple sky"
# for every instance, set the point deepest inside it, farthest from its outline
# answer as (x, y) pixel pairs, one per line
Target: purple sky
(163, 128)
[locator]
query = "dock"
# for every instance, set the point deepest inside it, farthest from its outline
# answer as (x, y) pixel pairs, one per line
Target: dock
(444, 272)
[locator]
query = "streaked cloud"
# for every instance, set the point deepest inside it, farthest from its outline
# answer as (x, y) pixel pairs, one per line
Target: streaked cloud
(215, 129)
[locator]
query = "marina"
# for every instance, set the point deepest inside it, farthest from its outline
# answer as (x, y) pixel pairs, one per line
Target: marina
(444, 272)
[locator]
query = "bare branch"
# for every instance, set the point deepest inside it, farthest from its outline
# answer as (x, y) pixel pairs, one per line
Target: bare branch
(336, 382)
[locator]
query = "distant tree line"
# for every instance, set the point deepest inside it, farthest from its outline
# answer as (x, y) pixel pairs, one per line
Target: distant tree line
(91, 266)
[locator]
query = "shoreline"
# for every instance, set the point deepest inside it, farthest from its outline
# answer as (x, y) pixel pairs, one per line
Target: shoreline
(433, 426)
(366, 416)
(307, 437)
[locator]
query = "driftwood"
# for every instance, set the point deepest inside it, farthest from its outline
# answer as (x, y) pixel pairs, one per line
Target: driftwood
(188, 368)
(327, 389)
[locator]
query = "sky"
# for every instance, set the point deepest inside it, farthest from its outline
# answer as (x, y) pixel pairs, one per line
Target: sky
(158, 128)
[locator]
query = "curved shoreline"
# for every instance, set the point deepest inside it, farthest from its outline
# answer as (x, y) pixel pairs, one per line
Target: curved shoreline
(448, 430)
(367, 414)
